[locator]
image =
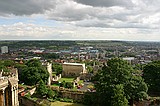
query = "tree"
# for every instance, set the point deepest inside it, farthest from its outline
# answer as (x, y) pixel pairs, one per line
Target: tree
(42, 90)
(34, 72)
(8, 63)
(118, 77)
(52, 94)
(57, 68)
(151, 74)
(119, 99)
(34, 63)
(4, 64)
(90, 69)
(69, 85)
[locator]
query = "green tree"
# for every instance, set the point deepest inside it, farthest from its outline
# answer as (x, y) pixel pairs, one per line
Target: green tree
(8, 63)
(151, 74)
(69, 85)
(33, 73)
(57, 68)
(33, 63)
(4, 64)
(118, 98)
(52, 94)
(42, 90)
(90, 69)
(119, 72)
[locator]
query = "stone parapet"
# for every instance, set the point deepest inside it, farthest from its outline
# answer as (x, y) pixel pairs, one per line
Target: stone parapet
(3, 83)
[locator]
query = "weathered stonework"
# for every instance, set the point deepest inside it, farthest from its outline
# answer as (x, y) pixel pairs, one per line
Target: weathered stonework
(73, 69)
(9, 88)
(49, 69)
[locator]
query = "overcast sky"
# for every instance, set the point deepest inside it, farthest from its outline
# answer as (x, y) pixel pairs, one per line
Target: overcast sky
(80, 19)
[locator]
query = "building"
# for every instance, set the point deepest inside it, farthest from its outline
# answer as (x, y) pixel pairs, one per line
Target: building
(73, 69)
(9, 88)
(4, 49)
(129, 59)
(49, 69)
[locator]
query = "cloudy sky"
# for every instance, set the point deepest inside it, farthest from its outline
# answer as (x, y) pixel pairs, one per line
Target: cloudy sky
(80, 19)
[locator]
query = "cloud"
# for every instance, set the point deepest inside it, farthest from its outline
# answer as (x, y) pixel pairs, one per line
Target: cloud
(106, 3)
(110, 14)
(121, 19)
(19, 31)
(24, 7)
(22, 30)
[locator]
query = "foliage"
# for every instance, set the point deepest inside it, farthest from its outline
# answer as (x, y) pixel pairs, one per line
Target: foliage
(90, 69)
(152, 76)
(4, 64)
(62, 84)
(42, 89)
(68, 85)
(34, 63)
(119, 77)
(51, 94)
(90, 98)
(119, 99)
(57, 68)
(8, 63)
(34, 72)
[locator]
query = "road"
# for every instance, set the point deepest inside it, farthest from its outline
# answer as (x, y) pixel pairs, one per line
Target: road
(85, 86)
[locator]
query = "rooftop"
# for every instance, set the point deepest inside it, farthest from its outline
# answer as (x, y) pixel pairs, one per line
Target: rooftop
(73, 64)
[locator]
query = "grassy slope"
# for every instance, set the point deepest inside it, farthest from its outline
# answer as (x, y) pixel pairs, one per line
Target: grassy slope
(57, 103)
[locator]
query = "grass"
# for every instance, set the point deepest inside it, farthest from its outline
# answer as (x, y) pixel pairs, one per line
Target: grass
(58, 103)
(66, 79)
(80, 82)
(53, 73)
(55, 85)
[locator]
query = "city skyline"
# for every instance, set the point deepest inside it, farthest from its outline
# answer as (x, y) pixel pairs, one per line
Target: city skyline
(135, 20)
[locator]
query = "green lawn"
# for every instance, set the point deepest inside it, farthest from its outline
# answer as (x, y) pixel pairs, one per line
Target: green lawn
(66, 79)
(80, 82)
(69, 80)
(55, 85)
(58, 103)
(53, 73)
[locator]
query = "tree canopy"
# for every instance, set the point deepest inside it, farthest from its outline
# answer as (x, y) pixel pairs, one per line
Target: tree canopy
(117, 84)
(4, 64)
(34, 72)
(43, 91)
(152, 76)
(56, 67)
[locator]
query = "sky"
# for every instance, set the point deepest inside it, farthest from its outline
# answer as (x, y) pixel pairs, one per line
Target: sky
(133, 20)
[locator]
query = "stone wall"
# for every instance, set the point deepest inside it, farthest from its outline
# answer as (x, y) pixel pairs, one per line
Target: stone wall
(75, 95)
(56, 78)
(70, 94)
(23, 101)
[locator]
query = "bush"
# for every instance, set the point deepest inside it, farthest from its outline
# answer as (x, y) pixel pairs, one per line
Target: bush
(69, 85)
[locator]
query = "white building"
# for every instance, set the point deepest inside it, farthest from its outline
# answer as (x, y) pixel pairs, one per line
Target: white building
(4, 49)
(129, 59)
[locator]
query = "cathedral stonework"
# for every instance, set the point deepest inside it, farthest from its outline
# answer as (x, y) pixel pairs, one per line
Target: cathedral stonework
(9, 88)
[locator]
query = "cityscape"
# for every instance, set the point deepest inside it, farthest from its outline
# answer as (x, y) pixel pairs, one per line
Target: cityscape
(49, 72)
(79, 53)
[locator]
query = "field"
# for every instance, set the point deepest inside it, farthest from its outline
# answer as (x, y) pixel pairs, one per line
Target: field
(57, 103)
